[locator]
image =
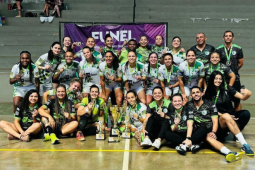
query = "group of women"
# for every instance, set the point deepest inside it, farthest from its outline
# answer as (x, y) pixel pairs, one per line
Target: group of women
(75, 93)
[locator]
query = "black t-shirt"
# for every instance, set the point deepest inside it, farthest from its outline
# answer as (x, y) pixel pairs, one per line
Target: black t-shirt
(236, 54)
(61, 118)
(153, 107)
(203, 55)
(185, 116)
(225, 70)
(203, 115)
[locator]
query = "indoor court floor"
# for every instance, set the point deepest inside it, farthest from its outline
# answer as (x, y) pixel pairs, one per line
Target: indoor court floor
(93, 154)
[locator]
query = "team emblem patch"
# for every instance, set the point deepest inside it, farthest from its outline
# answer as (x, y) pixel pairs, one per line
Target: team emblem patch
(207, 52)
(234, 52)
(204, 112)
(184, 118)
(165, 110)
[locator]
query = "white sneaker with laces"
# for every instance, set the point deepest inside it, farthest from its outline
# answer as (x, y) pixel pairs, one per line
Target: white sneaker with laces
(146, 142)
(156, 144)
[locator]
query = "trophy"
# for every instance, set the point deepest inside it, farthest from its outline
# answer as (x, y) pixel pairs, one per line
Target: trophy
(101, 134)
(114, 134)
(126, 133)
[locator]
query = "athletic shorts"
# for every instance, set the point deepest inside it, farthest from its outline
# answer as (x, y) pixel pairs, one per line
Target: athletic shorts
(45, 87)
(237, 87)
(21, 91)
(137, 89)
(86, 88)
(112, 87)
(170, 92)
(187, 90)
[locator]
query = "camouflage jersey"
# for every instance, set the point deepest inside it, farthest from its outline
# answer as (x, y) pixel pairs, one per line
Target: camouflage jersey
(106, 72)
(25, 78)
(145, 54)
(204, 55)
(150, 76)
(169, 78)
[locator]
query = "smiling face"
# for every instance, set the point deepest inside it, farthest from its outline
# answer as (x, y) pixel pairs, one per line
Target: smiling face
(177, 102)
(168, 60)
(157, 94)
(228, 37)
(90, 42)
(94, 93)
(200, 38)
(132, 57)
(61, 93)
(153, 58)
(131, 99)
(196, 94)
(87, 53)
(191, 57)
(108, 42)
(33, 98)
(143, 41)
(215, 58)
(56, 49)
(69, 57)
(67, 41)
(158, 41)
(217, 80)
(108, 57)
(75, 86)
(25, 59)
(176, 43)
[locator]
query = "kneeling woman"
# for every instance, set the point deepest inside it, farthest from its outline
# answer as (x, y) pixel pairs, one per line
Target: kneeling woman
(90, 109)
(137, 113)
(133, 76)
(156, 112)
(61, 120)
(181, 124)
(26, 118)
(110, 77)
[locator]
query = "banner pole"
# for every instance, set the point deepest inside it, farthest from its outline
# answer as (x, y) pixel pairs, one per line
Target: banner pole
(59, 27)
(134, 11)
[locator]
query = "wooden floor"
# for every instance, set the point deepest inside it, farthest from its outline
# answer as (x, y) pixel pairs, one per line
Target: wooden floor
(97, 155)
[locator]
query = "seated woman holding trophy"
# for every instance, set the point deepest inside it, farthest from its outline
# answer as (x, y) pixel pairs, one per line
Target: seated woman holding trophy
(136, 112)
(156, 113)
(90, 115)
(61, 119)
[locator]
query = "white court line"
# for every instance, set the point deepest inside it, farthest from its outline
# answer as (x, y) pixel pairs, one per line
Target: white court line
(126, 155)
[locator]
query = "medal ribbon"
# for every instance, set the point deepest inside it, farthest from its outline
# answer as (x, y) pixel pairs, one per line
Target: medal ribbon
(168, 74)
(217, 96)
(228, 54)
(190, 73)
(217, 68)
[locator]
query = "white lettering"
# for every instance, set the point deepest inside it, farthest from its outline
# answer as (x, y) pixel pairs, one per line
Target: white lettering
(115, 36)
(95, 35)
(101, 37)
(123, 35)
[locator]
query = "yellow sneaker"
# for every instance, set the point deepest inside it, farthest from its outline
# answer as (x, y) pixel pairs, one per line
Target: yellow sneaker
(233, 156)
(54, 139)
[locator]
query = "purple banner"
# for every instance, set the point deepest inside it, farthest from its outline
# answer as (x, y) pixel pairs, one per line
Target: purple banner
(119, 33)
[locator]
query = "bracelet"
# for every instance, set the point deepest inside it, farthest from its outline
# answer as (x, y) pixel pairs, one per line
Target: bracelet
(214, 132)
(86, 110)
(189, 138)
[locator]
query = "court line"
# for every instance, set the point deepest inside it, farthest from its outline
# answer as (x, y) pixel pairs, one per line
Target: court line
(94, 150)
(126, 155)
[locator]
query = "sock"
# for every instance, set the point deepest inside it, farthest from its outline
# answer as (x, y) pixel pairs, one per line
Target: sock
(49, 130)
(241, 139)
(225, 150)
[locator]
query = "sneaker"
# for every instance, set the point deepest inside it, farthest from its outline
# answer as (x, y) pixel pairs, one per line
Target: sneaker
(46, 137)
(180, 150)
(247, 149)
(146, 143)
(156, 144)
(80, 136)
(233, 156)
(54, 139)
(194, 148)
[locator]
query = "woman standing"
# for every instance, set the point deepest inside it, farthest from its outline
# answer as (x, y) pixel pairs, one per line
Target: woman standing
(178, 53)
(26, 118)
(110, 77)
(168, 76)
(61, 119)
(133, 76)
(158, 47)
(25, 76)
(152, 76)
(144, 49)
(47, 64)
(89, 71)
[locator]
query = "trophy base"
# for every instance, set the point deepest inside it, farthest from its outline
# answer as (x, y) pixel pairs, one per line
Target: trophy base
(126, 135)
(114, 132)
(100, 136)
(113, 139)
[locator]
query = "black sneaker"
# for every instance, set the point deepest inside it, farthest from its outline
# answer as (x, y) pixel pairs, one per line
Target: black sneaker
(194, 148)
(180, 150)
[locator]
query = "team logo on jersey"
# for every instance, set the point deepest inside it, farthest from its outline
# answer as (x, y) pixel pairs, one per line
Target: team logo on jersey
(234, 52)
(207, 52)
(184, 118)
(204, 112)
(165, 110)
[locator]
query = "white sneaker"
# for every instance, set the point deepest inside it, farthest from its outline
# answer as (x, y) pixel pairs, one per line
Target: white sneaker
(147, 142)
(156, 144)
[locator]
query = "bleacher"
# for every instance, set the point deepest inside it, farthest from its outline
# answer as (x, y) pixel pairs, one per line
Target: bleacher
(185, 18)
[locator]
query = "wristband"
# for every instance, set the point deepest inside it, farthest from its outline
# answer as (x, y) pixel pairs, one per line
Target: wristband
(86, 110)
(189, 138)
